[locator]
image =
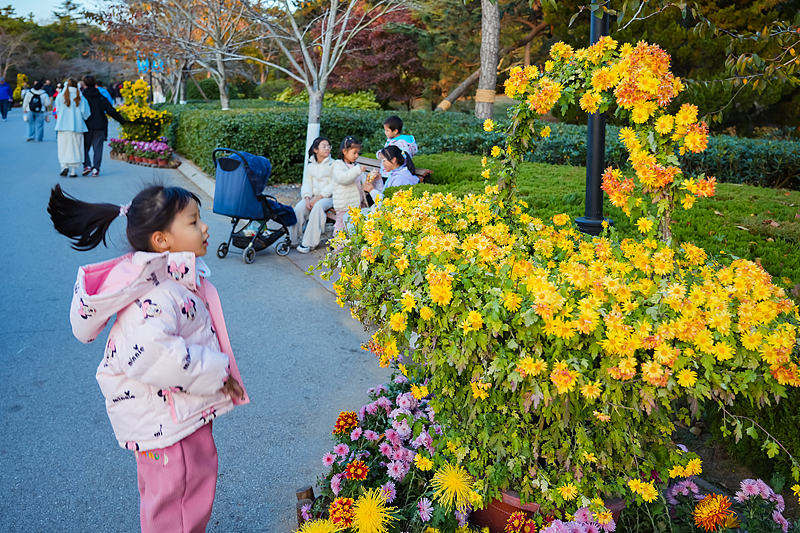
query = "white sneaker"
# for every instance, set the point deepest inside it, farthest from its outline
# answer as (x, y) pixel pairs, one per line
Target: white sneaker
(303, 249)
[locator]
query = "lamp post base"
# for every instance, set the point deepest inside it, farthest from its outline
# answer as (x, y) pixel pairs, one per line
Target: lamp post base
(592, 226)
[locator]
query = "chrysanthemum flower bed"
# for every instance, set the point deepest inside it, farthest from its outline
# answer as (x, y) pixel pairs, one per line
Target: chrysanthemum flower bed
(555, 360)
(388, 447)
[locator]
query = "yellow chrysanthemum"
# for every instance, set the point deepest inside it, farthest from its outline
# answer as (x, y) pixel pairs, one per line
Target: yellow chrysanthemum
(512, 301)
(687, 377)
(452, 487)
(422, 462)
(426, 313)
(496, 151)
(318, 526)
(545, 132)
(644, 225)
(569, 491)
(371, 513)
(408, 302)
(488, 125)
(398, 322)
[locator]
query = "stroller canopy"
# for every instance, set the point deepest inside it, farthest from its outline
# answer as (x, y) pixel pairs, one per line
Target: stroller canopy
(258, 168)
(240, 180)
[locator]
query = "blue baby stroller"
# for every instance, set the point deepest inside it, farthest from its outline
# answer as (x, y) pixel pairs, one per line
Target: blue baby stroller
(238, 193)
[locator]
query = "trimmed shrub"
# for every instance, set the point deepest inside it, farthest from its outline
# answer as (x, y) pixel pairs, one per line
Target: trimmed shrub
(766, 163)
(277, 134)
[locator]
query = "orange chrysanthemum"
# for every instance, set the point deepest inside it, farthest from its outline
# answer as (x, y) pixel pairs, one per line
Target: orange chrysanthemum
(712, 511)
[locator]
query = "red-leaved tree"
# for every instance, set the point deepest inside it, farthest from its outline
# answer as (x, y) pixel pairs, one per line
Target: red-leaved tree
(383, 58)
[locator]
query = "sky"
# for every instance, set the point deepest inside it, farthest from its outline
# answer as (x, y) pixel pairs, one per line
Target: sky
(42, 9)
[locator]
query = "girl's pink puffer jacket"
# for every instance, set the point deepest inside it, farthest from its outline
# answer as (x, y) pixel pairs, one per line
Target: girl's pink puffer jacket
(167, 354)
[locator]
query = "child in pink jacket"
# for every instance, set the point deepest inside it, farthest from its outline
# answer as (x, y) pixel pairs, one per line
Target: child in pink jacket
(168, 368)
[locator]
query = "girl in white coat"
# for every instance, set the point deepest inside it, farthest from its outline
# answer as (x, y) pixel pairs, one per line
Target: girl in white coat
(168, 368)
(347, 180)
(315, 197)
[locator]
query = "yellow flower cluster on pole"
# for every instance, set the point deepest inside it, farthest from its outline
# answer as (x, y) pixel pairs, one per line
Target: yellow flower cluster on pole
(638, 80)
(144, 122)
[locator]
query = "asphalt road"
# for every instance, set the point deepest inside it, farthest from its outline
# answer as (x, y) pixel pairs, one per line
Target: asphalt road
(61, 469)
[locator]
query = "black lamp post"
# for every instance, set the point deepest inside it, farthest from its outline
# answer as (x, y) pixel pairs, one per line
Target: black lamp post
(592, 221)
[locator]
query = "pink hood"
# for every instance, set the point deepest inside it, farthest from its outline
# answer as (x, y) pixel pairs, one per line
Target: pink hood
(168, 353)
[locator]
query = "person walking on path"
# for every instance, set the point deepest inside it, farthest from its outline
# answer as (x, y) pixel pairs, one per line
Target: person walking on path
(6, 98)
(315, 197)
(49, 88)
(104, 92)
(168, 368)
(97, 125)
(73, 110)
(35, 109)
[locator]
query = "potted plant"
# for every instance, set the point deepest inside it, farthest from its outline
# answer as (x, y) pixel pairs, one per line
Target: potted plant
(556, 360)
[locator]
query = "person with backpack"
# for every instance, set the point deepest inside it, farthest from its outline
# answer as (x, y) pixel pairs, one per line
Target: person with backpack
(97, 125)
(34, 111)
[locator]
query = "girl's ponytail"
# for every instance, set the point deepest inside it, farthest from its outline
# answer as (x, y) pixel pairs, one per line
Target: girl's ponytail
(83, 223)
(152, 210)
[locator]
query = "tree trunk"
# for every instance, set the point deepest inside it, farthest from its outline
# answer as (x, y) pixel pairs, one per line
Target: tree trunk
(315, 97)
(466, 84)
(490, 47)
(222, 82)
(184, 87)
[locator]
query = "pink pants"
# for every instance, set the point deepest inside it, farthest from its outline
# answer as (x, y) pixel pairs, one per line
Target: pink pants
(177, 484)
(339, 225)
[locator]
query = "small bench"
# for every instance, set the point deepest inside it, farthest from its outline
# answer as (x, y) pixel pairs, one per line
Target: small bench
(374, 164)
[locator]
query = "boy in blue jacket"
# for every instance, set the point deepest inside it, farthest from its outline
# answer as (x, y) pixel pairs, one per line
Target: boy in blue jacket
(393, 128)
(6, 98)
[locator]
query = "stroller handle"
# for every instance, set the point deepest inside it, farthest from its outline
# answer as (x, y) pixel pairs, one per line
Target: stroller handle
(231, 150)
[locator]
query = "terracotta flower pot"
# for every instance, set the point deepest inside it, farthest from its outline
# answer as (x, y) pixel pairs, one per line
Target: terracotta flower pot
(496, 513)
(162, 162)
(151, 161)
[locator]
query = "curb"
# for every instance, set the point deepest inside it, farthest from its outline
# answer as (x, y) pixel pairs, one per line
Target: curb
(202, 180)
(194, 174)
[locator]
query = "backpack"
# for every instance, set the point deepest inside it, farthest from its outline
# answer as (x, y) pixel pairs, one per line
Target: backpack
(35, 105)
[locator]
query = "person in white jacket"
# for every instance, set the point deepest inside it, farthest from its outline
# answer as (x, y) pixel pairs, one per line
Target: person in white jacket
(168, 369)
(348, 178)
(35, 107)
(315, 197)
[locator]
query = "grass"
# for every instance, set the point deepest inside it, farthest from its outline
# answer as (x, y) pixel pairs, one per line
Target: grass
(759, 224)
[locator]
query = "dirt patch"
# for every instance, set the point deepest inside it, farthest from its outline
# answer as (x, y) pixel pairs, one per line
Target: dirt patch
(288, 193)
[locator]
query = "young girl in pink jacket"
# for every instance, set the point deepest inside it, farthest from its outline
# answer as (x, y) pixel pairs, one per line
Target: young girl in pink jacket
(168, 368)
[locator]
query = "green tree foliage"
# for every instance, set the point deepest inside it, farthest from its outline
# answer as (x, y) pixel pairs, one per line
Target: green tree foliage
(449, 42)
(699, 57)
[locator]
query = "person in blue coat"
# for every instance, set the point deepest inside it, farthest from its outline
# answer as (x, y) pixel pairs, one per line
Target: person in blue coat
(73, 110)
(6, 98)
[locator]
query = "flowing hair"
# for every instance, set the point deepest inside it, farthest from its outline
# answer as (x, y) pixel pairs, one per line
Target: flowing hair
(86, 224)
(315, 146)
(71, 83)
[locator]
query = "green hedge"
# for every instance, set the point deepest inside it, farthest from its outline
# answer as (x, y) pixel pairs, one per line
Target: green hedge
(765, 163)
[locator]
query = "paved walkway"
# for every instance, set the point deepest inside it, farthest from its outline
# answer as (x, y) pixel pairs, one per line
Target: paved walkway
(60, 467)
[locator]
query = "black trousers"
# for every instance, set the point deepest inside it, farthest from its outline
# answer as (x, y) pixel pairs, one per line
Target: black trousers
(93, 139)
(5, 105)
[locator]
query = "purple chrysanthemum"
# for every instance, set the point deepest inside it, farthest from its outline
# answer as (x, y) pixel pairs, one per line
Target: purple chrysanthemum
(306, 512)
(388, 491)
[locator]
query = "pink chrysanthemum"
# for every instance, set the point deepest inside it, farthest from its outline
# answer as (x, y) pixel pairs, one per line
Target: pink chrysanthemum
(341, 450)
(336, 484)
(371, 435)
(328, 459)
(583, 515)
(305, 511)
(425, 507)
(356, 434)
(396, 470)
(386, 449)
(780, 520)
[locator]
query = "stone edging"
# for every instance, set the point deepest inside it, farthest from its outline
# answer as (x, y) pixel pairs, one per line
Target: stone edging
(196, 175)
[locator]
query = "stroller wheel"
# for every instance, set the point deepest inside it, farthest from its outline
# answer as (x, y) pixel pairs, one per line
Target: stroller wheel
(222, 251)
(282, 248)
(249, 255)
